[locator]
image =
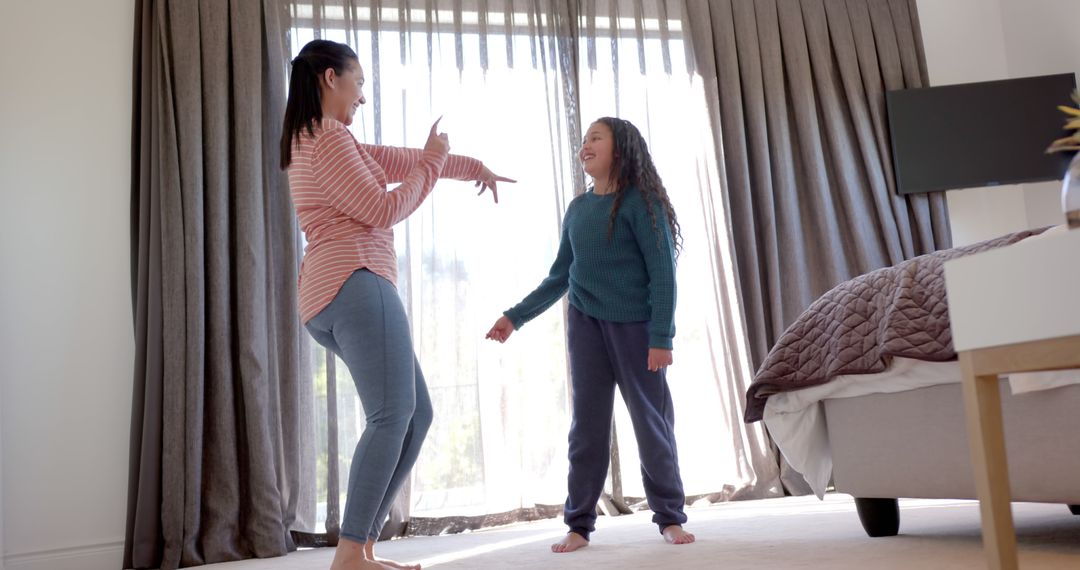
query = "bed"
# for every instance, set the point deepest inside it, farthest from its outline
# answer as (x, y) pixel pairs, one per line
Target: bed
(863, 392)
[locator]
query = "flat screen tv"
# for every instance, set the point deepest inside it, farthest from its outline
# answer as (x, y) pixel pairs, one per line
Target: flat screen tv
(978, 134)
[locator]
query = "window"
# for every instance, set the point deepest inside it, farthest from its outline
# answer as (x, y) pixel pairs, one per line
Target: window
(499, 80)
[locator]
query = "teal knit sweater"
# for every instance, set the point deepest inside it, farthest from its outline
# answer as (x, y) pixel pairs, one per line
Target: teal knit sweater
(630, 278)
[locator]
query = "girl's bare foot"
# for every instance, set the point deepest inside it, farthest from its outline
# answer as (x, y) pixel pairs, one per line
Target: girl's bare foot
(675, 534)
(369, 553)
(569, 543)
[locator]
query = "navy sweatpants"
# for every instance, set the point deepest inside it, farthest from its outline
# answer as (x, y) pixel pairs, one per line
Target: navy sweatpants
(604, 354)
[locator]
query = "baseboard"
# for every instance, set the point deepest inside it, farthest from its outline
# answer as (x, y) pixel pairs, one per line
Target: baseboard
(107, 556)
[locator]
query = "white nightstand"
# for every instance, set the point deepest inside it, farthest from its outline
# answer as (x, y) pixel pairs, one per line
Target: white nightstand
(1013, 309)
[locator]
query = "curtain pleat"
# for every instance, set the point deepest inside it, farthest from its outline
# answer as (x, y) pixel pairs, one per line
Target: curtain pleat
(222, 411)
(800, 108)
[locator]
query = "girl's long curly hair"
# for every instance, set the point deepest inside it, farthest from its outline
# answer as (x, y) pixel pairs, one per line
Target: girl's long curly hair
(632, 166)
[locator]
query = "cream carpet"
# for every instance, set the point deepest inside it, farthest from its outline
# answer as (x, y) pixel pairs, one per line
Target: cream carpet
(792, 532)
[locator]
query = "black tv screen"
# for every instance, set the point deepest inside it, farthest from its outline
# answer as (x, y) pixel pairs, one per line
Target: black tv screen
(978, 134)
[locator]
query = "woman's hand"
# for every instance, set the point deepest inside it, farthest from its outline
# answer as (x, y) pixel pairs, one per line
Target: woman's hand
(437, 142)
(502, 329)
(487, 179)
(659, 358)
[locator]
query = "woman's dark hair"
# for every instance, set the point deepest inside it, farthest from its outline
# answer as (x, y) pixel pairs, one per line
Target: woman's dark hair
(632, 166)
(304, 108)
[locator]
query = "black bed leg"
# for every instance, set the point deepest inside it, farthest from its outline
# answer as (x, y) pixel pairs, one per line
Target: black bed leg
(879, 517)
(1074, 509)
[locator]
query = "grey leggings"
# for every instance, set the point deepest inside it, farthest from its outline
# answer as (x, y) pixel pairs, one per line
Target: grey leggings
(366, 326)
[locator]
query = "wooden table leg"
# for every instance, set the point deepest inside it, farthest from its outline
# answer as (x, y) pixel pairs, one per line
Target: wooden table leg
(986, 438)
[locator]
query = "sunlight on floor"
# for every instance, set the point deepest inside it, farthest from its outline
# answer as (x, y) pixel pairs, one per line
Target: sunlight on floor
(487, 548)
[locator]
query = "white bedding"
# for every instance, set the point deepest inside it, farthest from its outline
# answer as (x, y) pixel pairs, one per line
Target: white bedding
(796, 421)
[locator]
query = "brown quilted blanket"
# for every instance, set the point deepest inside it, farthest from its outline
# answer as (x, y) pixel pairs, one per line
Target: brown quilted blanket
(861, 324)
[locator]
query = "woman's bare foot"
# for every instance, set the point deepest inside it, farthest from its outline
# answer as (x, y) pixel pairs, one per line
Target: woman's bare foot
(369, 553)
(675, 534)
(569, 543)
(350, 555)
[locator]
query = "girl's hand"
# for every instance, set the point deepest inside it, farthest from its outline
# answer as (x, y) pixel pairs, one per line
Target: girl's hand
(502, 329)
(659, 358)
(487, 179)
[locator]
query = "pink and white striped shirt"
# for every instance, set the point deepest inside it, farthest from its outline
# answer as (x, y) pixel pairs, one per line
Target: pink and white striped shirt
(338, 188)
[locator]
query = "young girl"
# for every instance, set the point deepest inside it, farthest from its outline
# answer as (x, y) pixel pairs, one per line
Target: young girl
(617, 259)
(348, 301)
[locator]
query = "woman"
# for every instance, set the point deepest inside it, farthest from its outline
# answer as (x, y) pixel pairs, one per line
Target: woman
(348, 300)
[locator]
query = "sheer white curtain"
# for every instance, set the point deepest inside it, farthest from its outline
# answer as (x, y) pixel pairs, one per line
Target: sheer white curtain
(505, 75)
(499, 437)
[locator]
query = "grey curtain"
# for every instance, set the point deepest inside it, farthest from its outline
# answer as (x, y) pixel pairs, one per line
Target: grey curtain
(796, 90)
(220, 407)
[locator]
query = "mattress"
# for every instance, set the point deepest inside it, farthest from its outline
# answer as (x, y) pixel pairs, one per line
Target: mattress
(796, 419)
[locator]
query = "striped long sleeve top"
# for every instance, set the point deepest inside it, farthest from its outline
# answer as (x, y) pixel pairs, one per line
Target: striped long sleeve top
(339, 190)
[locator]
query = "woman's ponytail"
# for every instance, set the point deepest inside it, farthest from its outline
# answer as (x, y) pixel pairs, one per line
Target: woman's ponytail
(304, 107)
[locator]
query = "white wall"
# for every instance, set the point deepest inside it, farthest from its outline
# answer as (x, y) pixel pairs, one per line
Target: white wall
(984, 40)
(66, 328)
(964, 43)
(1041, 38)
